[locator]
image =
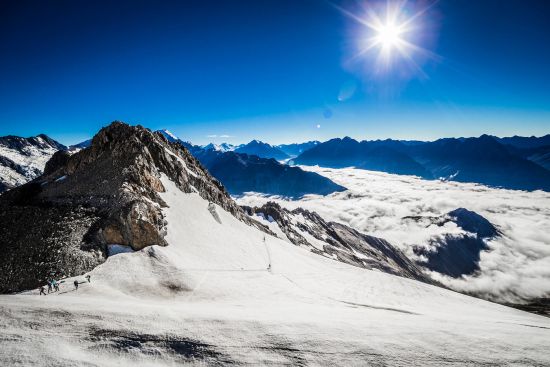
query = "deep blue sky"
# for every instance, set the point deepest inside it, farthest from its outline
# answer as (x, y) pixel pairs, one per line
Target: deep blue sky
(271, 70)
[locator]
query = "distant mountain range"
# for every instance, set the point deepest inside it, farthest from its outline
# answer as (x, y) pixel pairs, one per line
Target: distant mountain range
(511, 162)
(387, 156)
(255, 147)
(514, 163)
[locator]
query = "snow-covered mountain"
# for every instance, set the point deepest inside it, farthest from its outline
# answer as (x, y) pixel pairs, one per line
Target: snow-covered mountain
(169, 135)
(22, 159)
(223, 147)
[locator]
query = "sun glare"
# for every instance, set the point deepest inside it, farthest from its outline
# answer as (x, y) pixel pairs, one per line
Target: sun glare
(389, 36)
(389, 32)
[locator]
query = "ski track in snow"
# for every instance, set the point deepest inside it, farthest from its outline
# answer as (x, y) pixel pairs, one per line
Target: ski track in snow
(212, 298)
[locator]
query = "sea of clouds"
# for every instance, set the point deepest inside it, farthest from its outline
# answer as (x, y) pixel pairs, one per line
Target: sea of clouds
(516, 267)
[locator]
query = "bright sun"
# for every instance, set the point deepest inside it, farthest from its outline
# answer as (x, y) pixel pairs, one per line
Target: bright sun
(388, 29)
(388, 35)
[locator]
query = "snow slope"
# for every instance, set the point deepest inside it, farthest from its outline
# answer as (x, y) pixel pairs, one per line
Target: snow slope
(220, 294)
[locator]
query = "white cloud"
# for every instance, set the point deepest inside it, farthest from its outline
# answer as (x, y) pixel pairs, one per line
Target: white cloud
(518, 265)
(222, 136)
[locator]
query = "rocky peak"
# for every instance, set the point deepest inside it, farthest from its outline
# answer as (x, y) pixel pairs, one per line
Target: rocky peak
(104, 194)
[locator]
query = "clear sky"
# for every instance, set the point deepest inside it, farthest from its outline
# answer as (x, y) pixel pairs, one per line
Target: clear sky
(280, 71)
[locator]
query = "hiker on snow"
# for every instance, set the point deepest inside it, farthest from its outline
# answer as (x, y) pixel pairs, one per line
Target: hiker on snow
(55, 285)
(49, 285)
(75, 285)
(42, 290)
(88, 277)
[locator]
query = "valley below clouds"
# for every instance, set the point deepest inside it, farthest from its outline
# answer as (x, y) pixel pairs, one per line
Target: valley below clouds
(516, 266)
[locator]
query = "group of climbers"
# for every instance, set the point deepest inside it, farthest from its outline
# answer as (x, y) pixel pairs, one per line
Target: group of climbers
(53, 285)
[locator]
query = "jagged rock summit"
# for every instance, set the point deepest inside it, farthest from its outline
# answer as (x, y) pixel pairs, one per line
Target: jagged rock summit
(61, 223)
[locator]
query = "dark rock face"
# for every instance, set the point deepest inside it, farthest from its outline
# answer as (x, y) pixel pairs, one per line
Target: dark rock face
(338, 241)
(457, 255)
(58, 160)
(60, 223)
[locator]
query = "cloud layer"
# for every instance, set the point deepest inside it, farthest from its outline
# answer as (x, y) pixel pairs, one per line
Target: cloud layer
(516, 268)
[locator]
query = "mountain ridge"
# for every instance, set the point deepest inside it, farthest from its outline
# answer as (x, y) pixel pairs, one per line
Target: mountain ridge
(482, 160)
